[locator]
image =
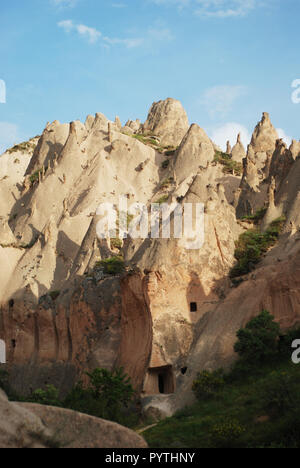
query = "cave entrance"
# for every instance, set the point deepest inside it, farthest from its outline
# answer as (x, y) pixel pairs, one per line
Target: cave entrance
(160, 380)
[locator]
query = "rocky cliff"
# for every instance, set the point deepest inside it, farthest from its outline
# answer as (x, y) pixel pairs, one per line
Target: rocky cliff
(172, 310)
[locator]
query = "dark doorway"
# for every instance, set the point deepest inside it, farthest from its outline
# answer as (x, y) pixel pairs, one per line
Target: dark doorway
(193, 307)
(161, 383)
(160, 380)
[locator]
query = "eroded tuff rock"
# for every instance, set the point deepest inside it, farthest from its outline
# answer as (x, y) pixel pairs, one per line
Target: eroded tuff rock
(195, 150)
(238, 152)
(254, 188)
(173, 311)
(168, 120)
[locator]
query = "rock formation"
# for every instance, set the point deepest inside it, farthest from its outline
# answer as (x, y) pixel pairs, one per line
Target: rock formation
(173, 309)
(238, 151)
(24, 425)
(168, 120)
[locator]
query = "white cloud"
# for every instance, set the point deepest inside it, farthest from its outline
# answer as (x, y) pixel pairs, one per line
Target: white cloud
(219, 100)
(287, 139)
(225, 8)
(153, 34)
(64, 3)
(67, 25)
(91, 34)
(229, 131)
(216, 8)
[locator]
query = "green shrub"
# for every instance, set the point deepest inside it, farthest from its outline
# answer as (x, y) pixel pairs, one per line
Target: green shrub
(48, 397)
(107, 395)
(230, 166)
(258, 341)
(252, 245)
(116, 243)
(165, 164)
(113, 265)
(257, 217)
(226, 434)
(279, 393)
(208, 384)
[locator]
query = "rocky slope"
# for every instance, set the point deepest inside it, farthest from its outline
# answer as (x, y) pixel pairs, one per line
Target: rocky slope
(174, 310)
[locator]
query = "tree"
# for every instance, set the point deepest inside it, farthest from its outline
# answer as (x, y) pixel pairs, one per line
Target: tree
(258, 341)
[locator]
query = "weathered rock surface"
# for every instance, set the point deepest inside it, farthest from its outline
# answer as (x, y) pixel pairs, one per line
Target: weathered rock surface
(174, 310)
(168, 120)
(75, 430)
(20, 428)
(195, 150)
(254, 186)
(26, 425)
(238, 152)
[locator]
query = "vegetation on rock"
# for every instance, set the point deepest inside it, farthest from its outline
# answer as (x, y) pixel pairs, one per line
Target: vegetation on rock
(252, 245)
(230, 166)
(258, 406)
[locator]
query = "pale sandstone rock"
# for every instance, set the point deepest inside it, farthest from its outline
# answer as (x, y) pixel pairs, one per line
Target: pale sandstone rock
(195, 150)
(238, 151)
(167, 120)
(142, 320)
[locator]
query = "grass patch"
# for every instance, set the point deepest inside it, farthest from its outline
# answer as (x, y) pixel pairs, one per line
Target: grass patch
(230, 166)
(252, 245)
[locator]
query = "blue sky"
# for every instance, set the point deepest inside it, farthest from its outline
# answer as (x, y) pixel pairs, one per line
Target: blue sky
(227, 61)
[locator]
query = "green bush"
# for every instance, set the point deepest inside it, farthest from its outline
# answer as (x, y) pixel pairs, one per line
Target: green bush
(208, 384)
(258, 341)
(226, 434)
(116, 243)
(113, 265)
(230, 166)
(278, 393)
(107, 395)
(257, 217)
(252, 245)
(48, 397)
